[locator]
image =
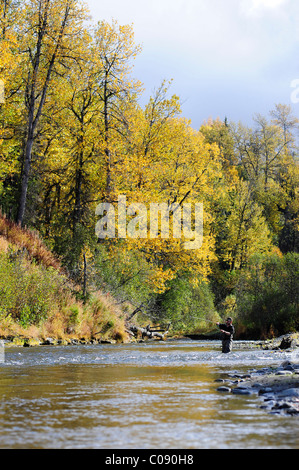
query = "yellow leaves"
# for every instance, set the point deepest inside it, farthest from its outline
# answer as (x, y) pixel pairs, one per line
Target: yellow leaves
(159, 279)
(115, 47)
(8, 58)
(86, 254)
(246, 229)
(92, 127)
(167, 161)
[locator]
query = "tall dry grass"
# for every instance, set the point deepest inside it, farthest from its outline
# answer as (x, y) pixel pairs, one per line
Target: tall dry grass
(28, 240)
(97, 319)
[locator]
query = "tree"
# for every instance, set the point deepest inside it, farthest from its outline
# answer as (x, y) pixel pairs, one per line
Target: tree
(288, 205)
(11, 111)
(247, 231)
(9, 12)
(50, 28)
(69, 144)
(273, 146)
(220, 133)
(116, 49)
(283, 118)
(267, 294)
(168, 162)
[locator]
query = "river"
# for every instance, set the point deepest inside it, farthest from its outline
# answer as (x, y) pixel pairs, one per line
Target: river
(160, 395)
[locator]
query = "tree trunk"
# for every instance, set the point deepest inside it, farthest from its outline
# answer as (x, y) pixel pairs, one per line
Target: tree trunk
(25, 180)
(36, 97)
(78, 188)
(148, 332)
(106, 137)
(84, 276)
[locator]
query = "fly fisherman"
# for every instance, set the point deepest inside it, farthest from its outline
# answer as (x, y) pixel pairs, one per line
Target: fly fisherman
(227, 329)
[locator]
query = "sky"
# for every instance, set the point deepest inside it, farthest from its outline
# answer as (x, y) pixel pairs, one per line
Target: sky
(227, 58)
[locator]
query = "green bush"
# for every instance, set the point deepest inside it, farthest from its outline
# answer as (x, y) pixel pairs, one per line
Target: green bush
(268, 294)
(74, 315)
(185, 305)
(28, 291)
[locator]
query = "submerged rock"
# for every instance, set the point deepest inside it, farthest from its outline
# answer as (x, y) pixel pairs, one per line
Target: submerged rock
(264, 390)
(48, 342)
(242, 391)
(223, 388)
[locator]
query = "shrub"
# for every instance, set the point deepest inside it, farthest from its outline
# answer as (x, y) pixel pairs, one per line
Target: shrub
(185, 305)
(268, 294)
(28, 291)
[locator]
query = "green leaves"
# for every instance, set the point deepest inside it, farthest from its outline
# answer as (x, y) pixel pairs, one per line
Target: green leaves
(28, 292)
(268, 295)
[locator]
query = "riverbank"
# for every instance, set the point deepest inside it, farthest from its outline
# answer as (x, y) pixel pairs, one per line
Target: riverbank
(33, 338)
(278, 388)
(35, 342)
(98, 321)
(41, 304)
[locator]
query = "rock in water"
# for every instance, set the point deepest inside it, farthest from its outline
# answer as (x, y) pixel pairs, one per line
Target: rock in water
(224, 389)
(241, 391)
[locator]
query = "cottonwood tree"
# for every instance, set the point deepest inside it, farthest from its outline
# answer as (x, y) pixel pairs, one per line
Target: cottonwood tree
(11, 110)
(247, 229)
(116, 50)
(51, 28)
(168, 162)
(9, 12)
(69, 140)
(284, 118)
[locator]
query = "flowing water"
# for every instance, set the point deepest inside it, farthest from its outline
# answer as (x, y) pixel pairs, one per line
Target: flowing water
(135, 396)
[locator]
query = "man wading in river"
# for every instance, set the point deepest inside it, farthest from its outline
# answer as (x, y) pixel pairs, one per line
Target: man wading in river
(227, 329)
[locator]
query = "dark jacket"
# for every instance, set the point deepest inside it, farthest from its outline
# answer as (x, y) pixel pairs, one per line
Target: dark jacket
(230, 329)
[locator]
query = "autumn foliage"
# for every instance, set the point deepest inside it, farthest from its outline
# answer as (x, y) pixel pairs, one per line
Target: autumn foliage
(73, 134)
(29, 242)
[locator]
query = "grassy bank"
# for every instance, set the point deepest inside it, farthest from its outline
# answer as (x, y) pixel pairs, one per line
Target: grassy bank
(38, 300)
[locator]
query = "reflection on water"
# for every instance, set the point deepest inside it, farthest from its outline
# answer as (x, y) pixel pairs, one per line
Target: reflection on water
(150, 395)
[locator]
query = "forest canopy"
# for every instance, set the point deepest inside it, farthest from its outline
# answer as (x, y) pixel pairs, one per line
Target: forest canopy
(73, 135)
